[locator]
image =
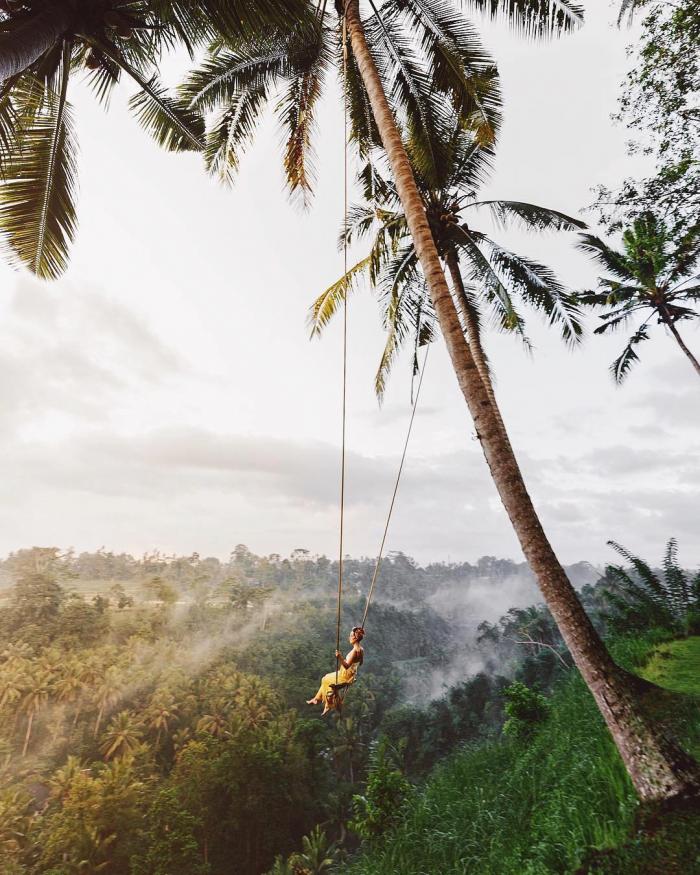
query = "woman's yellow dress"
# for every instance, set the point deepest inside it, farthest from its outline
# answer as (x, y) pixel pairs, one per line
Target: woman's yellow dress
(346, 676)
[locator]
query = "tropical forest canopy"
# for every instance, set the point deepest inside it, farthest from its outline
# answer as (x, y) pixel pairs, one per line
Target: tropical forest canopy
(152, 710)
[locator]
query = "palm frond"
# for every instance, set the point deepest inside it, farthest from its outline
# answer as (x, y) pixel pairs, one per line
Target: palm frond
(407, 310)
(677, 583)
(539, 287)
(37, 197)
(326, 305)
(232, 131)
(613, 261)
(617, 318)
(224, 75)
(170, 121)
(528, 216)
(460, 66)
(363, 128)
(622, 364)
(8, 121)
(538, 18)
(296, 110)
(481, 272)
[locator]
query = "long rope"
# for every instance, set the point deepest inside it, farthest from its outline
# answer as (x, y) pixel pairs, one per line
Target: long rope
(345, 343)
(378, 565)
(380, 556)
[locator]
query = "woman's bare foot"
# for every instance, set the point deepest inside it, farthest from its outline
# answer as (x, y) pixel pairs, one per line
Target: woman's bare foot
(312, 701)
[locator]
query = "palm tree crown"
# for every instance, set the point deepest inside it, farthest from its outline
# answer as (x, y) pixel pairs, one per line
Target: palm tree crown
(426, 53)
(652, 277)
(450, 168)
(41, 45)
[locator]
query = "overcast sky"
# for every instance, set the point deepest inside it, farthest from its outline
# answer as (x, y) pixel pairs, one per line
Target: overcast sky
(165, 394)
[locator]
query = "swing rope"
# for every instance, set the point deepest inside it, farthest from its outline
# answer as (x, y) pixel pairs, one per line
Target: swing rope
(378, 565)
(345, 342)
(397, 481)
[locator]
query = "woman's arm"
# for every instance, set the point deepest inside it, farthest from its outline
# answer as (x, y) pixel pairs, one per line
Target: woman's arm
(351, 659)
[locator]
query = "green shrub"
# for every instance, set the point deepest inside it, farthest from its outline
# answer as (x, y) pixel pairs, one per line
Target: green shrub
(387, 794)
(525, 709)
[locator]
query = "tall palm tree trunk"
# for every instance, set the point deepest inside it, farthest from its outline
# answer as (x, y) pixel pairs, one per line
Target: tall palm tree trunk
(679, 340)
(28, 734)
(28, 41)
(657, 767)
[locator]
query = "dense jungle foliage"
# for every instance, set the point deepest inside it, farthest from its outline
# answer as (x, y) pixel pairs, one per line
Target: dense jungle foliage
(152, 715)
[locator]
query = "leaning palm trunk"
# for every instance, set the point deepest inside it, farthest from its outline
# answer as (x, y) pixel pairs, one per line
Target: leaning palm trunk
(656, 766)
(29, 41)
(679, 340)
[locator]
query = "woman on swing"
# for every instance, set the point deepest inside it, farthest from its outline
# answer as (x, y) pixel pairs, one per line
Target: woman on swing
(346, 674)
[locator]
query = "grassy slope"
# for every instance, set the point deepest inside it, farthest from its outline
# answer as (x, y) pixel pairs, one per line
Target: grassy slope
(540, 807)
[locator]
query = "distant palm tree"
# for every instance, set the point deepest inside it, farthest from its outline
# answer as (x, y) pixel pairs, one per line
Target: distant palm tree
(348, 744)
(41, 45)
(653, 277)
(36, 695)
(317, 856)
(122, 736)
(107, 694)
(161, 714)
(487, 279)
(61, 780)
(215, 723)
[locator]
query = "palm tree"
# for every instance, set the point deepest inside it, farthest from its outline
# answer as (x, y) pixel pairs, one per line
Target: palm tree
(653, 277)
(348, 744)
(449, 173)
(41, 44)
(36, 695)
(317, 856)
(216, 723)
(388, 89)
(69, 687)
(658, 768)
(428, 53)
(123, 735)
(162, 712)
(62, 779)
(107, 694)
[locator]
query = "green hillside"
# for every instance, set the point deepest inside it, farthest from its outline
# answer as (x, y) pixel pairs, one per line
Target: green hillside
(559, 802)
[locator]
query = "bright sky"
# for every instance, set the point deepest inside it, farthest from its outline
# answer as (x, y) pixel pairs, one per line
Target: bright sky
(164, 394)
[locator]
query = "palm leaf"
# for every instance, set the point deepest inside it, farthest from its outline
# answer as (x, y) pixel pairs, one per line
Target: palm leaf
(170, 121)
(296, 109)
(622, 364)
(539, 287)
(326, 305)
(676, 581)
(533, 17)
(232, 131)
(222, 76)
(615, 262)
(8, 121)
(37, 198)
(528, 216)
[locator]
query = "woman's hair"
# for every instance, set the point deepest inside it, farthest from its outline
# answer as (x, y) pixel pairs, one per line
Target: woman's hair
(358, 631)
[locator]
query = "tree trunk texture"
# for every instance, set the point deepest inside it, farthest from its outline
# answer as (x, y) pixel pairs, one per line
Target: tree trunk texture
(29, 40)
(657, 767)
(679, 340)
(30, 720)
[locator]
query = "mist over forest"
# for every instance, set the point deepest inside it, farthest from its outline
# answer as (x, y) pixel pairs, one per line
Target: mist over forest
(138, 690)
